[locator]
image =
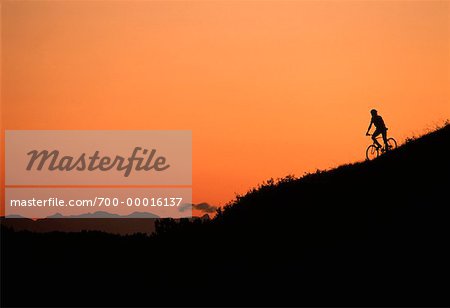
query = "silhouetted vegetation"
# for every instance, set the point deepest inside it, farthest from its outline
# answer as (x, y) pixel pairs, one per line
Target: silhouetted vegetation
(366, 234)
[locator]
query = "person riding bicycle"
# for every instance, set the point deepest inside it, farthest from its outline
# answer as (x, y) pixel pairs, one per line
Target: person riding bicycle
(380, 128)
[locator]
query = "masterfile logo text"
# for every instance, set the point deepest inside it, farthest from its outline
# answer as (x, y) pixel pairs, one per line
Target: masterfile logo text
(98, 157)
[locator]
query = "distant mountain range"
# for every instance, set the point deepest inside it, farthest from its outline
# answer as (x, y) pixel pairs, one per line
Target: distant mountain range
(141, 222)
(103, 214)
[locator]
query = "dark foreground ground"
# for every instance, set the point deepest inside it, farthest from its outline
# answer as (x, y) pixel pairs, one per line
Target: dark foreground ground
(368, 234)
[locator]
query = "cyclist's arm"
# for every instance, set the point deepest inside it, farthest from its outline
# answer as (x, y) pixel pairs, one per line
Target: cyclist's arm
(370, 126)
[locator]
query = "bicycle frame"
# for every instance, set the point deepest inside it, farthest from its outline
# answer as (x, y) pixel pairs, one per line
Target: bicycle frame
(377, 138)
(392, 144)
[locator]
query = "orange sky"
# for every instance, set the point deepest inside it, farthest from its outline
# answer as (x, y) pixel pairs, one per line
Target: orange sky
(268, 88)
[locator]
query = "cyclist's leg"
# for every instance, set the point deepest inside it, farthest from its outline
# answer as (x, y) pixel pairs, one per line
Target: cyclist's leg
(384, 134)
(374, 137)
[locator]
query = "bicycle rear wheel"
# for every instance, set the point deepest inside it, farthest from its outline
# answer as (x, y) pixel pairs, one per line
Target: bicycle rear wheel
(392, 144)
(372, 152)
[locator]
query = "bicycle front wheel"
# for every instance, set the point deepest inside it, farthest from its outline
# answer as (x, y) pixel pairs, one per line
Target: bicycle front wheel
(392, 144)
(371, 152)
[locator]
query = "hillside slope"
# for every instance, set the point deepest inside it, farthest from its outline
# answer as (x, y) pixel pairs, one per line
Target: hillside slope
(367, 234)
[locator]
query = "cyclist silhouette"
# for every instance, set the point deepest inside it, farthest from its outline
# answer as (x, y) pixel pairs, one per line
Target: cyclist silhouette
(380, 128)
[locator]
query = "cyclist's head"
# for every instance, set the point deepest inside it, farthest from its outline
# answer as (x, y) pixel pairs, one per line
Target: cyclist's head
(373, 112)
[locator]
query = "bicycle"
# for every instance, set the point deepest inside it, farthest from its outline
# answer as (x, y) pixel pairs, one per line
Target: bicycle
(373, 151)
